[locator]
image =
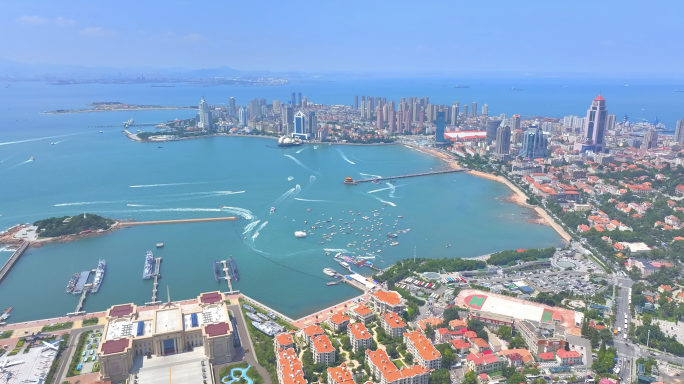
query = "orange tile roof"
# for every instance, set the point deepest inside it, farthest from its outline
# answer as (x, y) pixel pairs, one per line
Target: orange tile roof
(526, 355)
(338, 318)
(359, 331)
(424, 346)
(387, 368)
(313, 330)
(284, 339)
(435, 321)
(341, 374)
(362, 310)
(460, 344)
(563, 354)
(321, 344)
(458, 323)
(479, 358)
(470, 334)
(389, 297)
(481, 343)
(290, 367)
(547, 356)
(393, 320)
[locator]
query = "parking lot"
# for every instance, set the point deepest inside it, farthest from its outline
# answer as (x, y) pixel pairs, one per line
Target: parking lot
(89, 353)
(574, 260)
(671, 329)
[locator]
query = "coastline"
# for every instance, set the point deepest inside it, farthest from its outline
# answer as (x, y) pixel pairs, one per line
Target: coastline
(66, 112)
(517, 196)
(7, 238)
(134, 137)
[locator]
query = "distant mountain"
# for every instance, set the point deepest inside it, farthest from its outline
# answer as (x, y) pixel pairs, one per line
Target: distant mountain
(15, 68)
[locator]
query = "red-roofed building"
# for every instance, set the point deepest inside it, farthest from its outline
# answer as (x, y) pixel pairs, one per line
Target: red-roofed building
(384, 369)
(340, 375)
(524, 353)
(547, 356)
(312, 331)
(388, 301)
(480, 363)
(283, 341)
(289, 368)
(362, 313)
(359, 336)
(483, 378)
(434, 322)
(338, 322)
(458, 324)
(323, 351)
(461, 346)
(393, 324)
(422, 350)
(568, 358)
(480, 345)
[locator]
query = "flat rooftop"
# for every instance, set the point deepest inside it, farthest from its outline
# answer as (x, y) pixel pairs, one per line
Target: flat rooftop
(168, 320)
(36, 363)
(119, 328)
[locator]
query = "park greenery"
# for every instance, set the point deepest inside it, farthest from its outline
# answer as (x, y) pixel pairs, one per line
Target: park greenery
(409, 267)
(605, 359)
(251, 372)
(595, 336)
(263, 349)
(66, 225)
(76, 358)
(512, 257)
(6, 334)
(91, 321)
(57, 326)
(50, 378)
(657, 338)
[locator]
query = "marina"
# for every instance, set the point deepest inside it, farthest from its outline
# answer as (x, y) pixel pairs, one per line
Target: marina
(156, 268)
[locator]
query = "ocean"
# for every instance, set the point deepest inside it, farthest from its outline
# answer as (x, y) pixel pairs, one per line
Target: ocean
(107, 174)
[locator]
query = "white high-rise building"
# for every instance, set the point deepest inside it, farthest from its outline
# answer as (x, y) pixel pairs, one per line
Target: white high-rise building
(204, 115)
(679, 132)
(243, 116)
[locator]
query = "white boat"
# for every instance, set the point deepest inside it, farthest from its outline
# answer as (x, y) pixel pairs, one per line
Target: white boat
(273, 209)
(329, 272)
(31, 159)
(300, 234)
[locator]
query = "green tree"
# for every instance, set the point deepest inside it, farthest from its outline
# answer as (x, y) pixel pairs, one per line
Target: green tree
(505, 332)
(408, 358)
(470, 378)
(450, 313)
(440, 376)
(429, 332)
(517, 342)
(516, 378)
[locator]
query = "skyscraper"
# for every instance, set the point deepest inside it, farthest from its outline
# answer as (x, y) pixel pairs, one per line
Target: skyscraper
(503, 140)
(534, 144)
(391, 118)
(299, 121)
(610, 124)
(204, 115)
(243, 116)
(288, 120)
(514, 123)
(305, 102)
(493, 124)
(299, 100)
(363, 109)
(679, 132)
(650, 139)
(465, 111)
(313, 123)
(439, 128)
(356, 102)
(421, 119)
(231, 107)
(454, 114)
(379, 123)
(254, 110)
(473, 113)
(293, 99)
(594, 127)
(276, 106)
(485, 110)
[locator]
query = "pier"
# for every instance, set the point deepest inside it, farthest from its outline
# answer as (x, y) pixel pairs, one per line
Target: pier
(132, 223)
(79, 307)
(13, 259)
(156, 275)
(350, 181)
(227, 272)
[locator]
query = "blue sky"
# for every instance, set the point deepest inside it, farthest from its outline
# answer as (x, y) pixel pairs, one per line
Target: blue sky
(485, 36)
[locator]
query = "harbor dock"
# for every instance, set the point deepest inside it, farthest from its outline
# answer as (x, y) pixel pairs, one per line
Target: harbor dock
(13, 259)
(155, 275)
(79, 308)
(351, 181)
(132, 223)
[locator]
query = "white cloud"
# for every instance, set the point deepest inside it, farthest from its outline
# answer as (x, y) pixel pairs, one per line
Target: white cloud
(64, 22)
(193, 37)
(98, 32)
(33, 20)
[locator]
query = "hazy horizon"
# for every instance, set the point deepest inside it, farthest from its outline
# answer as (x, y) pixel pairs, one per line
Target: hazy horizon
(608, 38)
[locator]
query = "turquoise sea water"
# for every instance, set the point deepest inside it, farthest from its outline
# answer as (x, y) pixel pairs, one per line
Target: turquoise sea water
(109, 175)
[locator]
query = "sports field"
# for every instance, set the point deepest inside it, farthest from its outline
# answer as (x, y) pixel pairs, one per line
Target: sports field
(517, 308)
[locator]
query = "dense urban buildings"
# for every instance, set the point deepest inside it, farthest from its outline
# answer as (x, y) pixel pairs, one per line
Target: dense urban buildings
(592, 138)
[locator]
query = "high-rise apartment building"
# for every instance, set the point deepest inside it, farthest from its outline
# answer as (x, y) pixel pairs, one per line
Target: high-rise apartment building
(293, 99)
(610, 124)
(679, 132)
(254, 110)
(299, 100)
(305, 102)
(391, 118)
(465, 111)
(288, 120)
(379, 123)
(514, 123)
(503, 140)
(363, 109)
(231, 107)
(592, 137)
(439, 128)
(473, 113)
(356, 102)
(650, 139)
(243, 116)
(204, 115)
(276, 106)
(454, 114)
(485, 110)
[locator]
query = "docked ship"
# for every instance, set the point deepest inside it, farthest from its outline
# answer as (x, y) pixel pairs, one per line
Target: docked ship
(329, 271)
(343, 264)
(72, 282)
(99, 275)
(233, 269)
(148, 271)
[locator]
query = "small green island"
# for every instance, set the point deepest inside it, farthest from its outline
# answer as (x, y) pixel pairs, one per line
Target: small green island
(72, 225)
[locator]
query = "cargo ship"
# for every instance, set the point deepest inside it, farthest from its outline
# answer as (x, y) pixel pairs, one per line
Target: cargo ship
(148, 271)
(99, 275)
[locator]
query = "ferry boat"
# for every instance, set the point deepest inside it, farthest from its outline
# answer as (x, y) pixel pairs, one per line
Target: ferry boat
(344, 265)
(99, 275)
(72, 283)
(148, 270)
(329, 271)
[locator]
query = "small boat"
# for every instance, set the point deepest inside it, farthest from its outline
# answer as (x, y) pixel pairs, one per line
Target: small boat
(448, 245)
(53, 143)
(273, 209)
(329, 271)
(31, 159)
(308, 209)
(332, 283)
(101, 131)
(401, 217)
(160, 245)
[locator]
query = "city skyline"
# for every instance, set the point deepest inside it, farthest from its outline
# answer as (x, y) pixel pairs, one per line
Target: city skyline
(116, 37)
